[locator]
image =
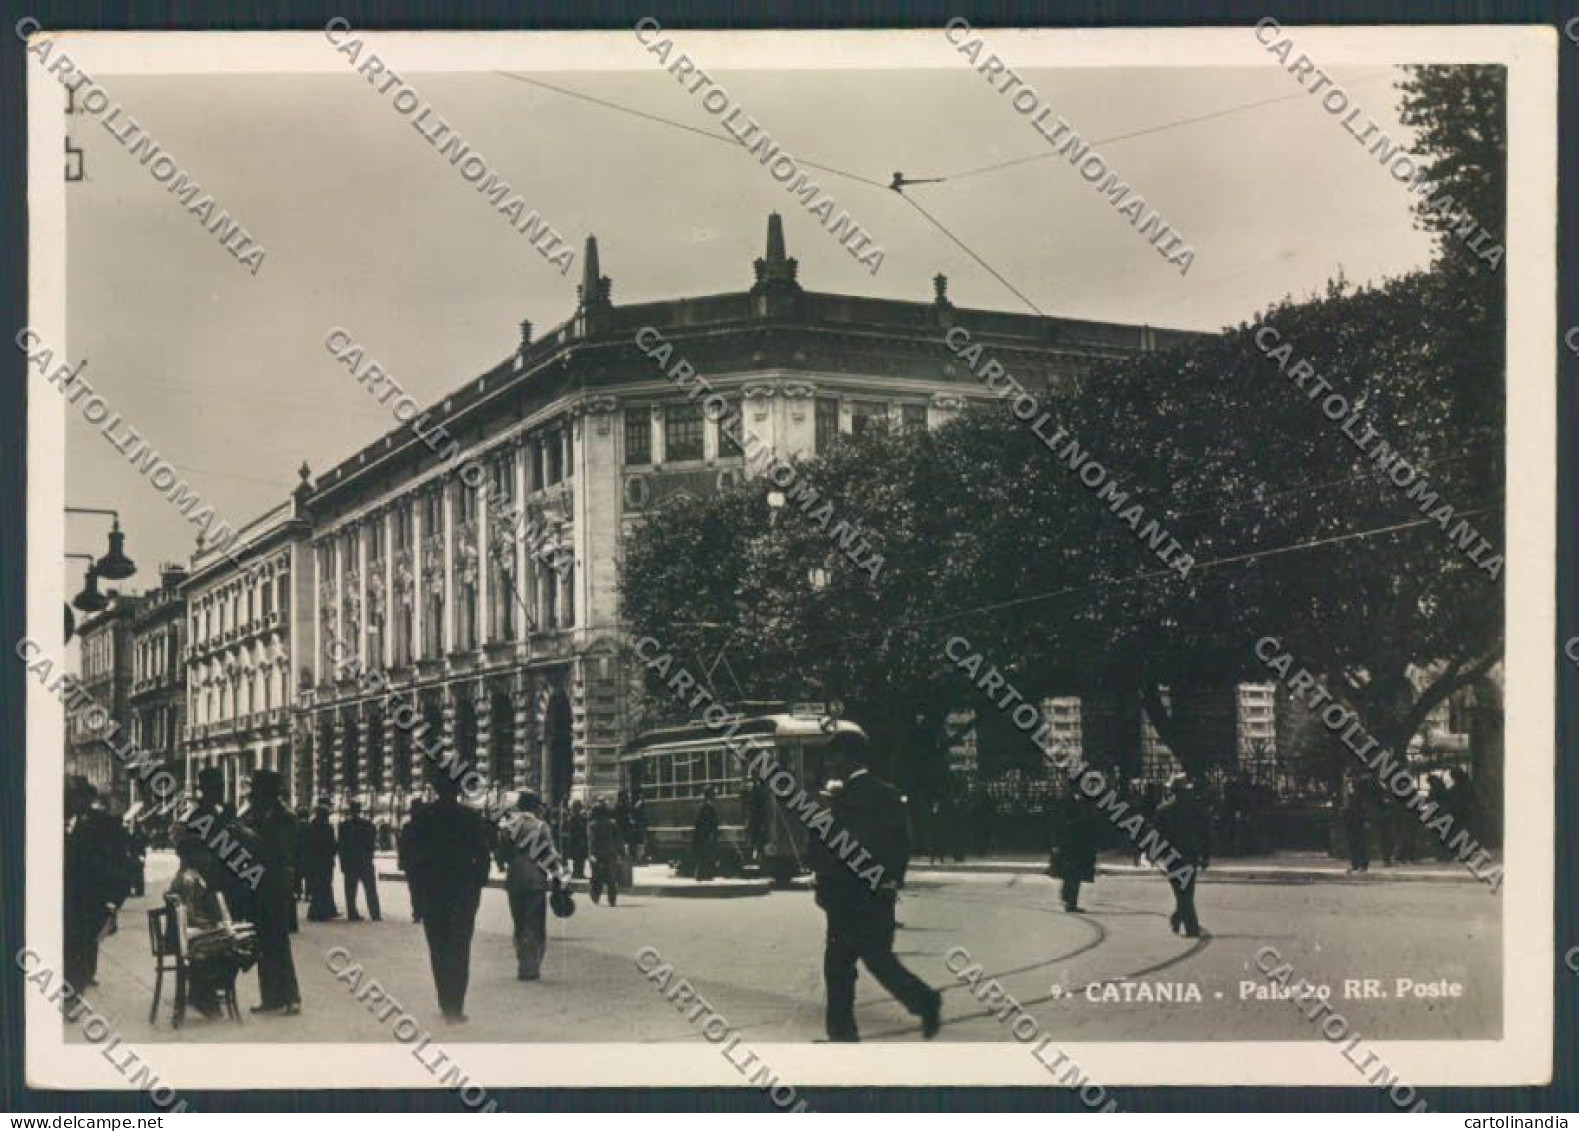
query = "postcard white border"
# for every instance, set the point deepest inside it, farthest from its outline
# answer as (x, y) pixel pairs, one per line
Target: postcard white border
(1522, 1056)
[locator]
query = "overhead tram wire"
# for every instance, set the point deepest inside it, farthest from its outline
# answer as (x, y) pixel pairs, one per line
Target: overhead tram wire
(1147, 131)
(938, 224)
(1150, 575)
(727, 139)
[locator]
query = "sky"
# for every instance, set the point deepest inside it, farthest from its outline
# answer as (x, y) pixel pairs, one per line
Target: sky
(367, 227)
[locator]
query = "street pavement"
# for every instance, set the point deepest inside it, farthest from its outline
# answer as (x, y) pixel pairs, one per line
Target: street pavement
(757, 961)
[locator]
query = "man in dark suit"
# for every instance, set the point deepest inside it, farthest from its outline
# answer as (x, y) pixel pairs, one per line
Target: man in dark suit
(96, 881)
(448, 861)
(858, 893)
(1183, 823)
(704, 837)
(318, 860)
(355, 844)
(403, 849)
(275, 829)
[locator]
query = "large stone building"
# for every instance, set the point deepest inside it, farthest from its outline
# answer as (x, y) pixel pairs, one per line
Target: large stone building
(105, 665)
(247, 609)
(505, 636)
(158, 688)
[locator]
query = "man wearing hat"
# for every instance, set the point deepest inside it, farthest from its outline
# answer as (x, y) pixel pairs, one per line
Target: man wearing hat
(860, 905)
(448, 863)
(355, 844)
(275, 829)
(95, 880)
(531, 866)
(1182, 822)
(318, 860)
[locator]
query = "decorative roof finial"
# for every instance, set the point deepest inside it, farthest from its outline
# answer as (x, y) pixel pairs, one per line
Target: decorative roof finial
(594, 291)
(940, 290)
(776, 269)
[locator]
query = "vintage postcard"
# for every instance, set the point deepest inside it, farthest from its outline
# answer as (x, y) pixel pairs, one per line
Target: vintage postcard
(672, 557)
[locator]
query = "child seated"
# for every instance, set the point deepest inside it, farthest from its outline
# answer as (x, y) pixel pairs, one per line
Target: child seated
(209, 971)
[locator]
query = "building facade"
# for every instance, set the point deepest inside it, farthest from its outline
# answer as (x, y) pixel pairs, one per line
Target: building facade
(105, 642)
(158, 687)
(472, 553)
(246, 610)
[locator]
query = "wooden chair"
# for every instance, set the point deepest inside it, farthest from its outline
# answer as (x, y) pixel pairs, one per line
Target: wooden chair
(167, 941)
(167, 938)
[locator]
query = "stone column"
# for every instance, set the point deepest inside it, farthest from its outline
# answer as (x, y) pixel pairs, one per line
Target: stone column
(359, 563)
(451, 613)
(484, 587)
(523, 558)
(522, 776)
(337, 758)
(418, 580)
(386, 630)
(450, 691)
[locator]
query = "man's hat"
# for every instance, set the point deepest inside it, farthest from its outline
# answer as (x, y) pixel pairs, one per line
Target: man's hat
(211, 774)
(356, 806)
(265, 778)
(528, 800)
(79, 786)
(1179, 782)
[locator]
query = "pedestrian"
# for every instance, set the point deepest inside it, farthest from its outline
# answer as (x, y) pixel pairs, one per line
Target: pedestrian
(1076, 832)
(604, 839)
(704, 837)
(532, 868)
(1354, 825)
(355, 844)
(638, 830)
(96, 881)
(137, 843)
(860, 906)
(318, 860)
(1182, 822)
(575, 838)
(403, 849)
(275, 830)
(447, 868)
(757, 811)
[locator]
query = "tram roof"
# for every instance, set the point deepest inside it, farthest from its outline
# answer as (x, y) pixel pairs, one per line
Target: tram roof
(772, 726)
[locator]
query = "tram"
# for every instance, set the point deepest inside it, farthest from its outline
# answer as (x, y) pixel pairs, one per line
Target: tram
(671, 768)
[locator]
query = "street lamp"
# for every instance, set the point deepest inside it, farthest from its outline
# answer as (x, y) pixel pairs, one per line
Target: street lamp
(89, 600)
(114, 565)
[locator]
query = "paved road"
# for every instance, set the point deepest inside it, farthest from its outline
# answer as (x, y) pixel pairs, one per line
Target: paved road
(758, 962)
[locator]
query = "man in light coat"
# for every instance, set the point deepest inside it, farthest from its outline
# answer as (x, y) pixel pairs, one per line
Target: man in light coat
(531, 865)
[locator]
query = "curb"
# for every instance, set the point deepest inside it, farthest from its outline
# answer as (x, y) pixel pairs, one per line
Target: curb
(712, 889)
(1215, 874)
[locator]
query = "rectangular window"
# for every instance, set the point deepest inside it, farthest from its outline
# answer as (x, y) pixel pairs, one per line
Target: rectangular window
(638, 436)
(913, 417)
(554, 452)
(733, 421)
(827, 423)
(682, 432)
(866, 414)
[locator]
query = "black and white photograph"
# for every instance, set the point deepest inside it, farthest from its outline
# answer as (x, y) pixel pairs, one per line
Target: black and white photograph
(770, 559)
